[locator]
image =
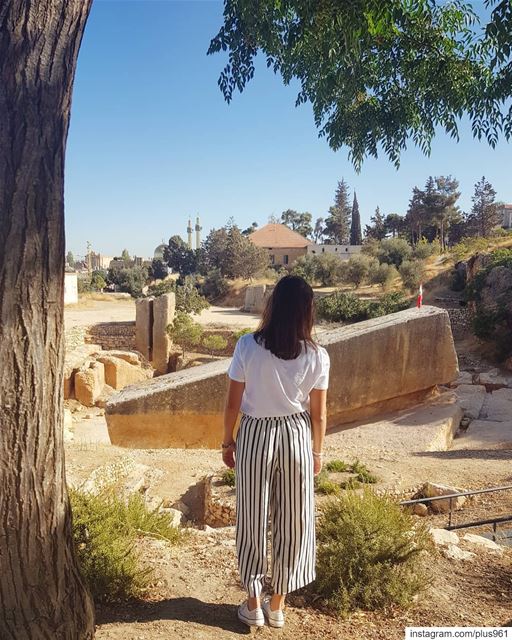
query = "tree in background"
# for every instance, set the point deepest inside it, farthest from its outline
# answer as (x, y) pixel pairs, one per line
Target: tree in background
(98, 282)
(394, 251)
(158, 269)
(395, 224)
(180, 257)
(377, 229)
(337, 223)
(214, 343)
(125, 256)
(356, 237)
(484, 216)
(214, 250)
(251, 229)
(70, 260)
(318, 231)
(401, 71)
(358, 269)
(184, 331)
(299, 222)
(129, 279)
(242, 258)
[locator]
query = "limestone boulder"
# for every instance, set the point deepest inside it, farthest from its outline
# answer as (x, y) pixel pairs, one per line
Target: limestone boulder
(73, 362)
(454, 552)
(144, 326)
(163, 314)
(377, 366)
(483, 543)
(432, 489)
(471, 399)
(119, 373)
(443, 537)
(89, 383)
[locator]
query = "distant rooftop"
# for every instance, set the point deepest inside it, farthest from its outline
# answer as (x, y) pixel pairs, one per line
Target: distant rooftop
(278, 236)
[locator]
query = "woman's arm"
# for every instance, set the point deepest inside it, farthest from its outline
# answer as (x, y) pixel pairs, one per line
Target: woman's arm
(231, 411)
(318, 411)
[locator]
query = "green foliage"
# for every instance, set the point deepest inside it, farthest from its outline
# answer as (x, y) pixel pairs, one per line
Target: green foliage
(336, 228)
(105, 531)
(241, 332)
(180, 257)
(368, 553)
(424, 249)
(357, 269)
(306, 267)
(214, 343)
(228, 477)
(70, 259)
(412, 273)
(327, 269)
(158, 269)
(388, 303)
(468, 246)
(188, 298)
(129, 279)
(126, 256)
(84, 284)
(447, 67)
(382, 274)
(184, 331)
(356, 237)
(299, 222)
(339, 466)
(342, 307)
(324, 486)
(394, 251)
(214, 285)
(484, 215)
(98, 282)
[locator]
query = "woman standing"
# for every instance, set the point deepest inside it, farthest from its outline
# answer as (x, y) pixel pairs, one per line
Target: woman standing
(278, 378)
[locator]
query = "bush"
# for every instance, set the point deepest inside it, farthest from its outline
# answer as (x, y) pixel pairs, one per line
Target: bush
(241, 332)
(394, 251)
(214, 285)
(424, 249)
(129, 279)
(382, 274)
(184, 331)
(368, 552)
(468, 246)
(214, 342)
(228, 477)
(412, 273)
(105, 531)
(327, 269)
(357, 269)
(188, 298)
(339, 307)
(389, 303)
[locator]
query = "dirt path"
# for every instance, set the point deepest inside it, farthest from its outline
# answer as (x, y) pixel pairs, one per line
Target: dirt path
(197, 594)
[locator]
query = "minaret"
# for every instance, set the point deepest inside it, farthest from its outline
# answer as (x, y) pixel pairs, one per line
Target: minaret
(189, 231)
(198, 234)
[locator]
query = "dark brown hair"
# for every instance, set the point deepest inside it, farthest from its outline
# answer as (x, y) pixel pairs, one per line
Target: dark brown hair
(288, 318)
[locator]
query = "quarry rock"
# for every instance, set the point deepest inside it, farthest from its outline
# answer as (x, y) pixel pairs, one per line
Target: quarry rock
(442, 537)
(454, 552)
(163, 314)
(89, 383)
(73, 362)
(420, 509)
(144, 326)
(471, 399)
(119, 373)
(483, 543)
(432, 489)
(377, 366)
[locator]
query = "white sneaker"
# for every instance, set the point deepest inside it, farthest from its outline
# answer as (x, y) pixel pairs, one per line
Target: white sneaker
(275, 618)
(253, 618)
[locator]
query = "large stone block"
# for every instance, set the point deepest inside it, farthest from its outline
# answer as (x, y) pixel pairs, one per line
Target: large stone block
(73, 361)
(376, 366)
(120, 374)
(144, 326)
(163, 314)
(89, 383)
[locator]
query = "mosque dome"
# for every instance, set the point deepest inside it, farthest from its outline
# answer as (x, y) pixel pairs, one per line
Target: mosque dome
(159, 252)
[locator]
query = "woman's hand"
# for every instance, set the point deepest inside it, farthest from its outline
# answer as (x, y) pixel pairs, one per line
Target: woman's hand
(317, 465)
(228, 456)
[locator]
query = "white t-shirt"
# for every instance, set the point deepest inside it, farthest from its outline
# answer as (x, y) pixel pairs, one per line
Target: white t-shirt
(276, 387)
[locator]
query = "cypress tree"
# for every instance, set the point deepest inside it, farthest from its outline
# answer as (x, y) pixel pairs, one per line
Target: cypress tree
(356, 237)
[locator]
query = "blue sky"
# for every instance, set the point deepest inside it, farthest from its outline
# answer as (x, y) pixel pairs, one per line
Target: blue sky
(152, 140)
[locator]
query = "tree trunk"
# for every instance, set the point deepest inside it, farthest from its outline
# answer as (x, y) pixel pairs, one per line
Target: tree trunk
(42, 594)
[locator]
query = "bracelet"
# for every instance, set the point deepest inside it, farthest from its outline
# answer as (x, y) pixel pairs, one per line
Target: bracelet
(317, 455)
(228, 446)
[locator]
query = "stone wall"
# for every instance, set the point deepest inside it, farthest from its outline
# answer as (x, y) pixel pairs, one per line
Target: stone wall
(379, 365)
(112, 335)
(219, 503)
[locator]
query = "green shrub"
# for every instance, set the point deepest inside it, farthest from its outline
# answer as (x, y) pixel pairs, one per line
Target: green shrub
(188, 297)
(368, 553)
(339, 307)
(228, 477)
(241, 332)
(382, 274)
(394, 251)
(389, 303)
(105, 531)
(184, 331)
(357, 269)
(325, 486)
(338, 466)
(214, 343)
(468, 246)
(412, 273)
(424, 249)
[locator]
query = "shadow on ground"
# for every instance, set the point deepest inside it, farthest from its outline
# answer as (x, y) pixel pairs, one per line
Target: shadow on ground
(220, 616)
(460, 454)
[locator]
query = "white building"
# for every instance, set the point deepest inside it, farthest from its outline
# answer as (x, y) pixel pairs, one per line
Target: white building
(70, 287)
(343, 251)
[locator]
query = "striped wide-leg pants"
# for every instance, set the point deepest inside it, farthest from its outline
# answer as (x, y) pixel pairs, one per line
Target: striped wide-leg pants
(274, 481)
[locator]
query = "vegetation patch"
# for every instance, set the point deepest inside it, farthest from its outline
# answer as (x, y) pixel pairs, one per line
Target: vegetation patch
(358, 474)
(347, 307)
(106, 528)
(368, 553)
(228, 477)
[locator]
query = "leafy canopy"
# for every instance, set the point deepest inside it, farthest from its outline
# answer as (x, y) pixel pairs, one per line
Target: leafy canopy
(379, 73)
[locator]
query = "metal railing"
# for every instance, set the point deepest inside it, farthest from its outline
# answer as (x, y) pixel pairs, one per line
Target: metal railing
(476, 523)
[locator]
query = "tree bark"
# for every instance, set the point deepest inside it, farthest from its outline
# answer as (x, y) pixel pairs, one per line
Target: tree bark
(42, 594)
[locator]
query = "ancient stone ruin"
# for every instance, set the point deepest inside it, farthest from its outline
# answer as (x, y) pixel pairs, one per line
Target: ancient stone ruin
(380, 365)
